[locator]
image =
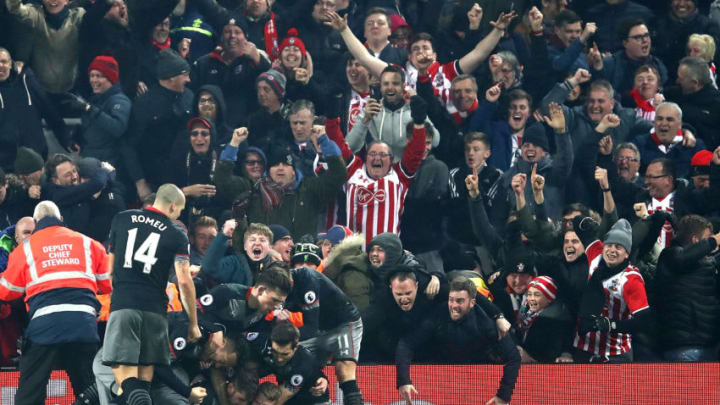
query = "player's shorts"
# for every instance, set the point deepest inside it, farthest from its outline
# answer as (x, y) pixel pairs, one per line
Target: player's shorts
(343, 342)
(136, 338)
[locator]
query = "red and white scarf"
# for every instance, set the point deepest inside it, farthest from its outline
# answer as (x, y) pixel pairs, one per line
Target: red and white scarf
(357, 105)
(666, 149)
(665, 204)
(644, 108)
(458, 115)
(271, 38)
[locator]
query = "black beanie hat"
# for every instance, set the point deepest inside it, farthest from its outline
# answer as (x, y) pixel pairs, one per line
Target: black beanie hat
(28, 161)
(535, 134)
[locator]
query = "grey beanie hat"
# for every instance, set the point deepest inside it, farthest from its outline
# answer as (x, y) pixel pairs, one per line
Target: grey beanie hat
(170, 64)
(621, 234)
(275, 80)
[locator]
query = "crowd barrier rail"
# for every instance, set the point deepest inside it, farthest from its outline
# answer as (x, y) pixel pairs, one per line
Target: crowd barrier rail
(572, 384)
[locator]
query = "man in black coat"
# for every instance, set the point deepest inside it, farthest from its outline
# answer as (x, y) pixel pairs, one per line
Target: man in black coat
(460, 332)
(233, 66)
(157, 117)
(63, 187)
(24, 104)
(690, 307)
(698, 99)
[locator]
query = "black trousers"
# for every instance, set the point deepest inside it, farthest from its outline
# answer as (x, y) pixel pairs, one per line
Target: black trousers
(38, 361)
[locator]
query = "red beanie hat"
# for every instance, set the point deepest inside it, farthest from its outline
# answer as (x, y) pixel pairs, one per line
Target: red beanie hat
(108, 66)
(292, 39)
(700, 162)
(546, 285)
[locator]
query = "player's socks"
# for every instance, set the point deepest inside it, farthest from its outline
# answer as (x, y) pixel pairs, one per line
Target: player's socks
(136, 391)
(88, 397)
(351, 393)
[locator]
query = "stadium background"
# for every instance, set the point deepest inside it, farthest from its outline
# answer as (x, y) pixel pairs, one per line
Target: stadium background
(572, 384)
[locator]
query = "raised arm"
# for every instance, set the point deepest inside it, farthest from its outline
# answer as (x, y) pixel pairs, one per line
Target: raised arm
(474, 58)
(356, 48)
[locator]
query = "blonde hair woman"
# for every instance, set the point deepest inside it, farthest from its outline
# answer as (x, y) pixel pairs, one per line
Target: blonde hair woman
(703, 45)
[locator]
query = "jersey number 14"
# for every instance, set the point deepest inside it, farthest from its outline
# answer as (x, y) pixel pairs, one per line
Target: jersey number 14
(144, 254)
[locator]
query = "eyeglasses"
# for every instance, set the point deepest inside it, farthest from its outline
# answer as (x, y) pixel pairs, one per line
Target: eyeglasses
(200, 133)
(206, 100)
(627, 159)
(660, 176)
(382, 155)
(640, 37)
(253, 162)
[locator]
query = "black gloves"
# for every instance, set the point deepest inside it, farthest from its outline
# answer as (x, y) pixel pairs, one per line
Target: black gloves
(595, 323)
(418, 110)
(333, 105)
(586, 229)
(75, 102)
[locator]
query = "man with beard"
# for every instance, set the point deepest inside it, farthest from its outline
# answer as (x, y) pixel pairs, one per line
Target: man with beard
(386, 119)
(233, 66)
(614, 304)
(460, 332)
(63, 187)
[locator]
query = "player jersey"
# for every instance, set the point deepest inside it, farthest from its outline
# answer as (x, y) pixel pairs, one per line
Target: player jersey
(375, 206)
(323, 304)
(180, 348)
(146, 244)
(624, 295)
(227, 304)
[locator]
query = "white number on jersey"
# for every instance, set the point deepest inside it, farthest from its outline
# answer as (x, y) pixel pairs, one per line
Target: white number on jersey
(145, 254)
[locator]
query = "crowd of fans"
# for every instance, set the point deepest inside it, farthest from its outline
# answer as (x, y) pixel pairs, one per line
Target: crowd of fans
(562, 156)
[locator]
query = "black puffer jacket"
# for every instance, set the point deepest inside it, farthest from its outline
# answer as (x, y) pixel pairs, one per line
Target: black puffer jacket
(690, 307)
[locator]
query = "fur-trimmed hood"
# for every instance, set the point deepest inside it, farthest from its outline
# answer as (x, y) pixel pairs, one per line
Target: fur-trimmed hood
(347, 253)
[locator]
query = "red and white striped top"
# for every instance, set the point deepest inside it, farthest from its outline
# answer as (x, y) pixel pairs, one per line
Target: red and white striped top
(441, 77)
(666, 204)
(375, 206)
(624, 296)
